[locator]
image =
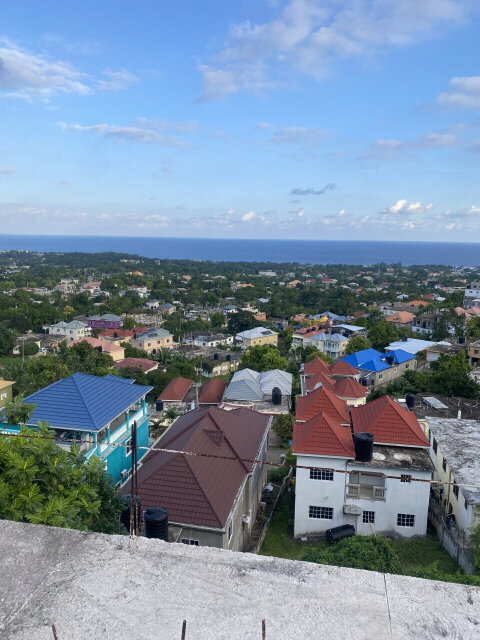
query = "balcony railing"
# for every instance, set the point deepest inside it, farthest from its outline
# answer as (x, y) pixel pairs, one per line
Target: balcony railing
(365, 491)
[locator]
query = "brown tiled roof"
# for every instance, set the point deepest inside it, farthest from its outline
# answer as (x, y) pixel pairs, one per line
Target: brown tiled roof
(201, 490)
(317, 365)
(350, 388)
(212, 391)
(342, 368)
(176, 390)
(322, 435)
(319, 378)
(144, 364)
(402, 317)
(117, 333)
(389, 422)
(322, 401)
(96, 342)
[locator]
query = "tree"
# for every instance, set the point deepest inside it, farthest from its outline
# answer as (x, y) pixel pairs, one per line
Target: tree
(17, 412)
(83, 358)
(217, 319)
(241, 321)
(450, 376)
(6, 341)
(263, 357)
(68, 311)
(128, 323)
(382, 334)
(357, 343)
(44, 484)
(30, 349)
(473, 328)
(283, 427)
(133, 352)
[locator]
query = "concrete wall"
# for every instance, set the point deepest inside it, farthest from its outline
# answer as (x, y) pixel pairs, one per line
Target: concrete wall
(408, 498)
(152, 345)
(272, 339)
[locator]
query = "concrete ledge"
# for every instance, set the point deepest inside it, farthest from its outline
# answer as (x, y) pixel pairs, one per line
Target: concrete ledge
(93, 586)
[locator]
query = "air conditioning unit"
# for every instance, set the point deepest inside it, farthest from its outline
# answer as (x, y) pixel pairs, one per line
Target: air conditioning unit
(124, 473)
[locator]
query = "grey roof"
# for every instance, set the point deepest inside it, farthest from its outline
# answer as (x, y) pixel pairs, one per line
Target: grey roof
(166, 305)
(257, 332)
(459, 442)
(247, 384)
(153, 333)
(327, 337)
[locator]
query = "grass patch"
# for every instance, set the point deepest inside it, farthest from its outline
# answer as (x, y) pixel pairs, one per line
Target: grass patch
(420, 553)
(6, 360)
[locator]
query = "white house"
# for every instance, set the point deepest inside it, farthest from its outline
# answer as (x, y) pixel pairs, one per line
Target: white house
(208, 339)
(72, 330)
(338, 488)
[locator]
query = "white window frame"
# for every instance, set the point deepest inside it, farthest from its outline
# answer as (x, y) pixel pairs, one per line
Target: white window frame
(128, 447)
(190, 541)
(322, 474)
(320, 512)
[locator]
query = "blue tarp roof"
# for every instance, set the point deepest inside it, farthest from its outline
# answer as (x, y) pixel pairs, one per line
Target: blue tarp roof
(84, 402)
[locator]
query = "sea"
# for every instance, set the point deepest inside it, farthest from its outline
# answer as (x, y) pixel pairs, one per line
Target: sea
(276, 251)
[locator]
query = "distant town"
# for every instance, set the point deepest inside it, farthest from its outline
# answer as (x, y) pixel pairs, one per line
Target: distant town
(271, 408)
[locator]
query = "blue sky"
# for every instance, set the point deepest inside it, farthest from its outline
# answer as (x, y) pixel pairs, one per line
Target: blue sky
(335, 119)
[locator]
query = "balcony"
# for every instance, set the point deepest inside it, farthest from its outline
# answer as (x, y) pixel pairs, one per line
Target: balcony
(366, 491)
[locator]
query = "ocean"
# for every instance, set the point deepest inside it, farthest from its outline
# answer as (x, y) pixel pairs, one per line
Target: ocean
(302, 251)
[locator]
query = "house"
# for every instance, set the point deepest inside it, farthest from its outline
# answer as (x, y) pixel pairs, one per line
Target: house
(413, 345)
(144, 364)
(152, 304)
(152, 340)
(378, 368)
(117, 336)
(267, 274)
(474, 353)
(333, 345)
(106, 321)
(142, 290)
(257, 336)
(6, 389)
(96, 412)
(211, 392)
(426, 322)
(349, 330)
(167, 308)
(322, 400)
(256, 390)
(214, 501)
(377, 494)
(341, 369)
(228, 309)
(220, 364)
(472, 295)
(175, 394)
(303, 336)
(350, 390)
(115, 351)
(200, 339)
(28, 338)
(402, 319)
(73, 330)
(293, 284)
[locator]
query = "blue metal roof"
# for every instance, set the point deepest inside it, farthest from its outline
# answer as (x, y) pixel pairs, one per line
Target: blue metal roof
(400, 355)
(84, 402)
(110, 376)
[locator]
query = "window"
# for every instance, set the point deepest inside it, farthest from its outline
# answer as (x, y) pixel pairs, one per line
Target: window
(405, 520)
(322, 513)
(128, 447)
(465, 503)
(189, 541)
(369, 517)
(321, 474)
(230, 529)
(455, 489)
(405, 477)
(435, 446)
(444, 464)
(406, 366)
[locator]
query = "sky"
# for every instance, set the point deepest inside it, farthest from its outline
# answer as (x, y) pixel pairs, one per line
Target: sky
(316, 119)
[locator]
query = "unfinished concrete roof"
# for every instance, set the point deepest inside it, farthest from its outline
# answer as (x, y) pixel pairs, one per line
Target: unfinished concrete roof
(93, 586)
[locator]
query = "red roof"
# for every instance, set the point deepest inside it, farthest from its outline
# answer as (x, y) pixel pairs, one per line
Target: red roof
(201, 490)
(117, 333)
(212, 391)
(322, 400)
(319, 378)
(342, 368)
(389, 422)
(144, 364)
(350, 388)
(176, 390)
(322, 436)
(317, 365)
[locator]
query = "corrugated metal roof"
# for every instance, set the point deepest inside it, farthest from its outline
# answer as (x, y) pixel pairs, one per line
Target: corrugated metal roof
(247, 384)
(83, 401)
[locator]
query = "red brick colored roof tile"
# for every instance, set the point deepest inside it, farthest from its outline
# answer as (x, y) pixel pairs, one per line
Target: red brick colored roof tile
(176, 390)
(116, 333)
(106, 346)
(317, 365)
(322, 401)
(350, 388)
(201, 490)
(144, 364)
(322, 436)
(389, 422)
(319, 378)
(342, 368)
(212, 391)
(402, 317)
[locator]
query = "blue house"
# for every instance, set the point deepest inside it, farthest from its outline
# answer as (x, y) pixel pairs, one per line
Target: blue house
(381, 368)
(98, 412)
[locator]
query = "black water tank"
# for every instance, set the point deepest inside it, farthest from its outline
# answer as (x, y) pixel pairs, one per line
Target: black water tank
(159, 405)
(339, 533)
(228, 357)
(363, 446)
(99, 348)
(364, 381)
(125, 515)
(390, 359)
(404, 339)
(156, 523)
(276, 396)
(410, 400)
(215, 356)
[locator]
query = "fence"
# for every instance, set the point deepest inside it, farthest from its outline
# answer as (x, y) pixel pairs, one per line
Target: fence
(453, 541)
(268, 521)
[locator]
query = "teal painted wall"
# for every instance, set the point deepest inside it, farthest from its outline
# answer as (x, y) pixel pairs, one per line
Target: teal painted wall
(117, 459)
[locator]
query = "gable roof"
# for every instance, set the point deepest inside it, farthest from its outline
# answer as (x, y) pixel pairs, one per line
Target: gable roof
(389, 422)
(105, 345)
(400, 355)
(316, 365)
(144, 364)
(368, 359)
(319, 378)
(212, 391)
(176, 389)
(247, 384)
(257, 332)
(342, 368)
(83, 401)
(196, 489)
(350, 388)
(402, 317)
(322, 435)
(322, 400)
(149, 334)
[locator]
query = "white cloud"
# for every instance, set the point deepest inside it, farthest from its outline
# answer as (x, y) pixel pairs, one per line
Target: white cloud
(7, 171)
(141, 130)
(306, 136)
(463, 92)
(116, 80)
(310, 36)
(404, 207)
(248, 217)
(391, 149)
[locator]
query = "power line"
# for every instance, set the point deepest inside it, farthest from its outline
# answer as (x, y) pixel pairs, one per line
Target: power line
(249, 460)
